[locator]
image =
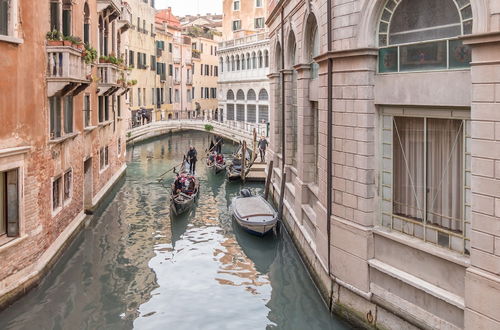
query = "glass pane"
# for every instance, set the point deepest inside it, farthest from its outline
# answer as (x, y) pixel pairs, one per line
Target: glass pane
(388, 60)
(423, 56)
(240, 112)
(431, 34)
(230, 112)
(460, 54)
(462, 3)
(422, 15)
(408, 167)
(4, 17)
(382, 27)
(466, 13)
(66, 22)
(251, 113)
(445, 173)
(382, 40)
(263, 113)
(467, 26)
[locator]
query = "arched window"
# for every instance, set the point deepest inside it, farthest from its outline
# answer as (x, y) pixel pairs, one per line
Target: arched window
(279, 65)
(228, 64)
(260, 59)
(240, 95)
(86, 23)
(263, 96)
(243, 62)
(266, 58)
(292, 91)
(233, 67)
(254, 61)
(251, 95)
(405, 26)
(221, 64)
(249, 64)
(238, 62)
(230, 95)
(313, 47)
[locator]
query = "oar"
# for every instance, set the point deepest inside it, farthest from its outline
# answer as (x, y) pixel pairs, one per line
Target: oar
(173, 168)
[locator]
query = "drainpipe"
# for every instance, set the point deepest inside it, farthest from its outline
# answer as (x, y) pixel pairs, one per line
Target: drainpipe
(329, 143)
(282, 78)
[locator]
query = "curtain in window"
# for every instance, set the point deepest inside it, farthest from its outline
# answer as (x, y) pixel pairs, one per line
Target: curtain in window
(445, 173)
(4, 17)
(409, 167)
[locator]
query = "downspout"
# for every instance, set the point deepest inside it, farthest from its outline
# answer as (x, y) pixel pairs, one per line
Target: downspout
(329, 143)
(282, 78)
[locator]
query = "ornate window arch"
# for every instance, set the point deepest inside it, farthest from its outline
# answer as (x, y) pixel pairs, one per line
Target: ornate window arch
(86, 23)
(313, 47)
(251, 95)
(237, 59)
(263, 95)
(230, 95)
(261, 61)
(240, 95)
(249, 64)
(254, 60)
(422, 35)
(243, 62)
(266, 58)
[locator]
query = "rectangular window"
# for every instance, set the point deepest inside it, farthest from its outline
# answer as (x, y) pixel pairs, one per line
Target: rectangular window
(189, 98)
(68, 180)
(66, 20)
(86, 110)
(131, 58)
(259, 23)
(170, 47)
(153, 63)
(177, 97)
(54, 16)
(4, 17)
(9, 203)
(119, 106)
(236, 5)
(139, 98)
(170, 69)
(170, 95)
(424, 174)
(55, 117)
(103, 158)
(258, 3)
(56, 193)
(68, 114)
(236, 25)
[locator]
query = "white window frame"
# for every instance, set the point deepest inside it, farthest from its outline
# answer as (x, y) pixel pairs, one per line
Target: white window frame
(386, 175)
(257, 3)
(259, 19)
(70, 198)
(14, 160)
(55, 211)
(233, 27)
(13, 26)
(234, 5)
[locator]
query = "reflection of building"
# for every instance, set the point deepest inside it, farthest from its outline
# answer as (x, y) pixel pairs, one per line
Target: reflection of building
(244, 63)
(389, 157)
(63, 138)
(164, 78)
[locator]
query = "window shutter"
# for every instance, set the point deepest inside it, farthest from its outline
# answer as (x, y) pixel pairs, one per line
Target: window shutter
(12, 203)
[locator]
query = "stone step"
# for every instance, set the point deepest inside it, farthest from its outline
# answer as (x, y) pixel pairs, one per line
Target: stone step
(256, 176)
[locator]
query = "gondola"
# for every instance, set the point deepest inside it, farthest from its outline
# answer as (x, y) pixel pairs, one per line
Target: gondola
(234, 168)
(181, 202)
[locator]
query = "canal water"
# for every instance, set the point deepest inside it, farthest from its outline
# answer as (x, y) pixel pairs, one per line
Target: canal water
(136, 267)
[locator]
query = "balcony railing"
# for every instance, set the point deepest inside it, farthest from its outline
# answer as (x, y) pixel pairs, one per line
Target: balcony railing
(244, 40)
(108, 78)
(65, 66)
(177, 81)
(177, 60)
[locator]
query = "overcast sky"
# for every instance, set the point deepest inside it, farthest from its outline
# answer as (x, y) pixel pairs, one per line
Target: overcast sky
(193, 7)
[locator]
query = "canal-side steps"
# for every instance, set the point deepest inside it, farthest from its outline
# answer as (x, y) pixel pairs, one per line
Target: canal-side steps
(257, 172)
(158, 128)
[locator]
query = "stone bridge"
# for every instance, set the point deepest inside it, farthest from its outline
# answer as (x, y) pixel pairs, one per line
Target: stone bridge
(232, 130)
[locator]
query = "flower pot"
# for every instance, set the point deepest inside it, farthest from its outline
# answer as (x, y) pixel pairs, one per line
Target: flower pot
(79, 46)
(67, 43)
(54, 43)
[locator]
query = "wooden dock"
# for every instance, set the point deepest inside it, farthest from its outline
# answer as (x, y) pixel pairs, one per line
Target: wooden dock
(257, 172)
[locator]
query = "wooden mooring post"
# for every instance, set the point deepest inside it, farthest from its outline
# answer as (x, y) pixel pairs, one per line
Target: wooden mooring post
(282, 195)
(268, 179)
(244, 161)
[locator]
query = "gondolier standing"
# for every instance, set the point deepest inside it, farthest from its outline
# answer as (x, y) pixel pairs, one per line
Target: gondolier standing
(192, 158)
(262, 148)
(218, 144)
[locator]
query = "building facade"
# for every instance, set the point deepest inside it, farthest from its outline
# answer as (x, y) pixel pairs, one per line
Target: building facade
(384, 122)
(63, 140)
(141, 59)
(244, 65)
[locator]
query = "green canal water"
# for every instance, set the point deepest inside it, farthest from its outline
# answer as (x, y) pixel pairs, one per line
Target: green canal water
(136, 267)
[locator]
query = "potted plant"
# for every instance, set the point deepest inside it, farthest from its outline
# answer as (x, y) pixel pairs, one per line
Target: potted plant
(89, 54)
(67, 41)
(54, 38)
(103, 59)
(77, 42)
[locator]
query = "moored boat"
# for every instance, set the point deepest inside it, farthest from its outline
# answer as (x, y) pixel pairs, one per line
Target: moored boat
(254, 214)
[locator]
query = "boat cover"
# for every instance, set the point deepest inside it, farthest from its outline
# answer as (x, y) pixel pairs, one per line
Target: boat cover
(254, 206)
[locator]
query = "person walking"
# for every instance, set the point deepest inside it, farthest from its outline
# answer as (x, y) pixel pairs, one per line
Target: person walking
(192, 159)
(262, 148)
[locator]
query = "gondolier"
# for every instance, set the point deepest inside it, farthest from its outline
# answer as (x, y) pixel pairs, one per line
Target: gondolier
(192, 158)
(218, 144)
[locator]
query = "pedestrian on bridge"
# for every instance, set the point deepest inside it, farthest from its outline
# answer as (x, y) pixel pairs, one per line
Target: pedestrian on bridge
(262, 148)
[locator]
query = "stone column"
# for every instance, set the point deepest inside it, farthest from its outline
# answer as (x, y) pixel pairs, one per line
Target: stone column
(482, 283)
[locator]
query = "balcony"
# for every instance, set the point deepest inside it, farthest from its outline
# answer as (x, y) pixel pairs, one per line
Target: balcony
(254, 38)
(66, 70)
(112, 6)
(125, 19)
(108, 78)
(177, 60)
(177, 81)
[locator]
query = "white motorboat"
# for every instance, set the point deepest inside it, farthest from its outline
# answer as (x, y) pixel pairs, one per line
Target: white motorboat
(254, 214)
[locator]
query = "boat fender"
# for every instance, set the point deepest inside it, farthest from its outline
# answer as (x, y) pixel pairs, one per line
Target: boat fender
(245, 193)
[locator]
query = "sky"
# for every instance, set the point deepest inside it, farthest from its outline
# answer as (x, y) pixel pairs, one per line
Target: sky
(192, 7)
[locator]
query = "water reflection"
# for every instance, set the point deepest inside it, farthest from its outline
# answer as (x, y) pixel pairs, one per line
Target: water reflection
(136, 267)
